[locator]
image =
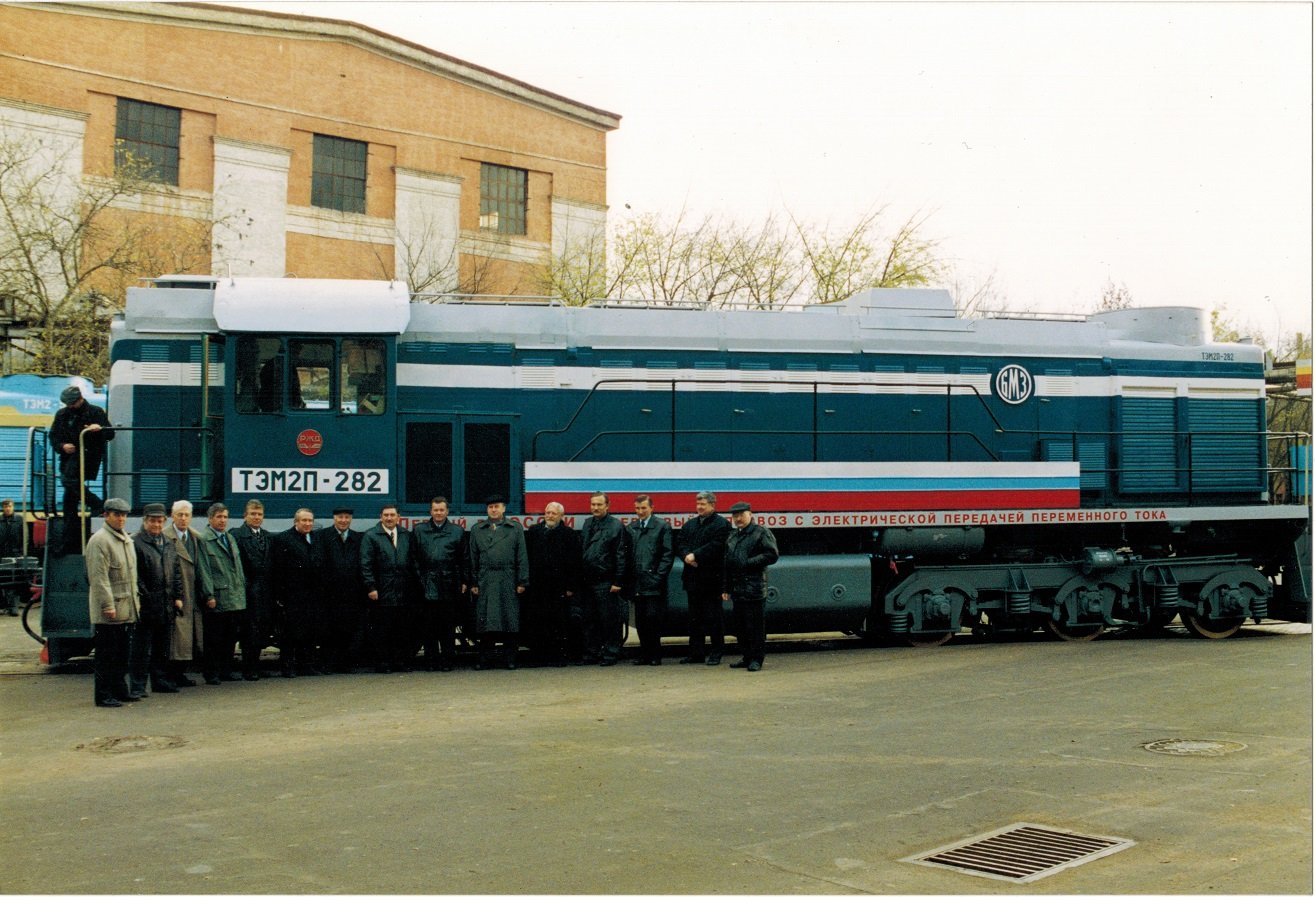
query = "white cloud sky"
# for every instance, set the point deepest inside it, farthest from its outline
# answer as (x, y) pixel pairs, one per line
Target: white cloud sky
(1165, 146)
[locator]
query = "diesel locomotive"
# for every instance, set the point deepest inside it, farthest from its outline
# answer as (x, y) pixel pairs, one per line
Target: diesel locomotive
(923, 472)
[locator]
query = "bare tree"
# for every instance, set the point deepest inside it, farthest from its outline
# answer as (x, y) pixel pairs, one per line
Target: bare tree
(841, 263)
(1114, 297)
(71, 245)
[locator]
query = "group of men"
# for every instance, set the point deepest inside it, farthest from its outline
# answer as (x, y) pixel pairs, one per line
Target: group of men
(334, 597)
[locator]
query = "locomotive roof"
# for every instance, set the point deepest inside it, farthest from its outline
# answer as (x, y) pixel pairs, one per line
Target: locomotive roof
(875, 321)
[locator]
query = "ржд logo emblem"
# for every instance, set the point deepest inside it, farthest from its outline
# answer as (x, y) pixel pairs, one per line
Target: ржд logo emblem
(1013, 384)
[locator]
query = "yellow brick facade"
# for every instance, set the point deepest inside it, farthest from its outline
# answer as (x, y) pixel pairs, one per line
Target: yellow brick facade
(254, 88)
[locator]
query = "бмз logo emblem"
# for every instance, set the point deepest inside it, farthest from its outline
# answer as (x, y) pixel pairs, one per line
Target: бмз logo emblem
(1013, 384)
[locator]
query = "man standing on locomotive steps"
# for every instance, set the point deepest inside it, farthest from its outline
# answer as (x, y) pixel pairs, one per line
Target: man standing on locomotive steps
(78, 415)
(703, 547)
(605, 573)
(499, 572)
(388, 572)
(653, 553)
(750, 550)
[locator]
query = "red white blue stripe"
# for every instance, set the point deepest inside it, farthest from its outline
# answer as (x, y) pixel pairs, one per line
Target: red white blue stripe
(830, 486)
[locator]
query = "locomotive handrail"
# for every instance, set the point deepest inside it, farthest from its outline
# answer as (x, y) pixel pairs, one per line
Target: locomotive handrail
(948, 432)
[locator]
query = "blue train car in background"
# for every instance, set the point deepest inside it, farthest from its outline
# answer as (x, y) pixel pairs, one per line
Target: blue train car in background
(28, 402)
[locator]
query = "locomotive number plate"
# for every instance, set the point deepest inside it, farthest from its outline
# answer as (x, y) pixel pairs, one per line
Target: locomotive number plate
(315, 480)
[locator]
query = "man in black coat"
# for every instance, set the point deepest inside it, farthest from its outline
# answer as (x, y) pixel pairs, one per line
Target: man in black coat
(553, 550)
(441, 553)
(605, 572)
(70, 421)
(750, 550)
(703, 547)
(296, 578)
(654, 554)
(389, 574)
(257, 550)
(11, 546)
(344, 595)
(159, 585)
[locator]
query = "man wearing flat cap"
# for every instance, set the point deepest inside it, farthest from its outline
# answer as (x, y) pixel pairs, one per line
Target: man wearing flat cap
(112, 596)
(76, 417)
(159, 585)
(499, 570)
(750, 550)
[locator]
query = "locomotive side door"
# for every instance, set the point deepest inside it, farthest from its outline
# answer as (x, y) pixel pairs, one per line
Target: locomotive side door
(465, 457)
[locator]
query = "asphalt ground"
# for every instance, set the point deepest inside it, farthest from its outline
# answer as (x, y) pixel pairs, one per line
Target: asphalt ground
(819, 774)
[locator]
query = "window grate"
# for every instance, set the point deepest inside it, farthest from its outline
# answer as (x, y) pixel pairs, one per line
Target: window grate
(1021, 852)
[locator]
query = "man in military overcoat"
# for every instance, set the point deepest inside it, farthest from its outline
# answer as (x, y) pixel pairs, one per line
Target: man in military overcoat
(652, 544)
(499, 572)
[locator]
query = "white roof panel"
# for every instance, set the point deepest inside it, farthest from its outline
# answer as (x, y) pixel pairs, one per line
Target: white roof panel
(282, 304)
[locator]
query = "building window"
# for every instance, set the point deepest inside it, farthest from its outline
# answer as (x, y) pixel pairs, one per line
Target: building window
(502, 198)
(146, 141)
(338, 174)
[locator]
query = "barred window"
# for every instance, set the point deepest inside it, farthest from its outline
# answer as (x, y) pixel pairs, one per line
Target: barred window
(146, 140)
(338, 174)
(502, 193)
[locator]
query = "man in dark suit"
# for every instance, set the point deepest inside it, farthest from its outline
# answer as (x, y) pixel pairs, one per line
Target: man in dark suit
(257, 564)
(159, 586)
(11, 546)
(654, 554)
(389, 574)
(553, 550)
(703, 548)
(441, 555)
(339, 548)
(296, 577)
(605, 572)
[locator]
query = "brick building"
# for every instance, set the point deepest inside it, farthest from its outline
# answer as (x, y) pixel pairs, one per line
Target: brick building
(321, 148)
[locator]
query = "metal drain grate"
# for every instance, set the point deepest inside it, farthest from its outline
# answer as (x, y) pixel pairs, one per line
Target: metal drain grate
(1021, 852)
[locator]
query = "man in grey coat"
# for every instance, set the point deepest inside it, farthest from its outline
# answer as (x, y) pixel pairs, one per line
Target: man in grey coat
(651, 538)
(221, 588)
(112, 598)
(499, 572)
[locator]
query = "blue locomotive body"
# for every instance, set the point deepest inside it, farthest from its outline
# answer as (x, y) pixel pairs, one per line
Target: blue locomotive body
(922, 471)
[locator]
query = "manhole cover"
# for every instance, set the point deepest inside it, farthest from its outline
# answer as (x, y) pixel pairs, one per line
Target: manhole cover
(1192, 747)
(1021, 852)
(127, 744)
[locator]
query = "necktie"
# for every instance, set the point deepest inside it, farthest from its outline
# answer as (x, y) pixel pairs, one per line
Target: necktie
(343, 535)
(223, 541)
(392, 534)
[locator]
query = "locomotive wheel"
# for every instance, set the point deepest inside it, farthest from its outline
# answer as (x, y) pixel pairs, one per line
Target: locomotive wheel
(1201, 627)
(928, 639)
(1067, 633)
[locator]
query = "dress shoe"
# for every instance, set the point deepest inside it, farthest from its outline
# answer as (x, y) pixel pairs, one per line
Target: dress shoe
(655, 662)
(138, 695)
(511, 664)
(754, 666)
(692, 660)
(641, 662)
(212, 680)
(184, 682)
(289, 674)
(714, 660)
(739, 664)
(231, 677)
(607, 662)
(446, 668)
(109, 702)
(251, 677)
(165, 688)
(129, 698)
